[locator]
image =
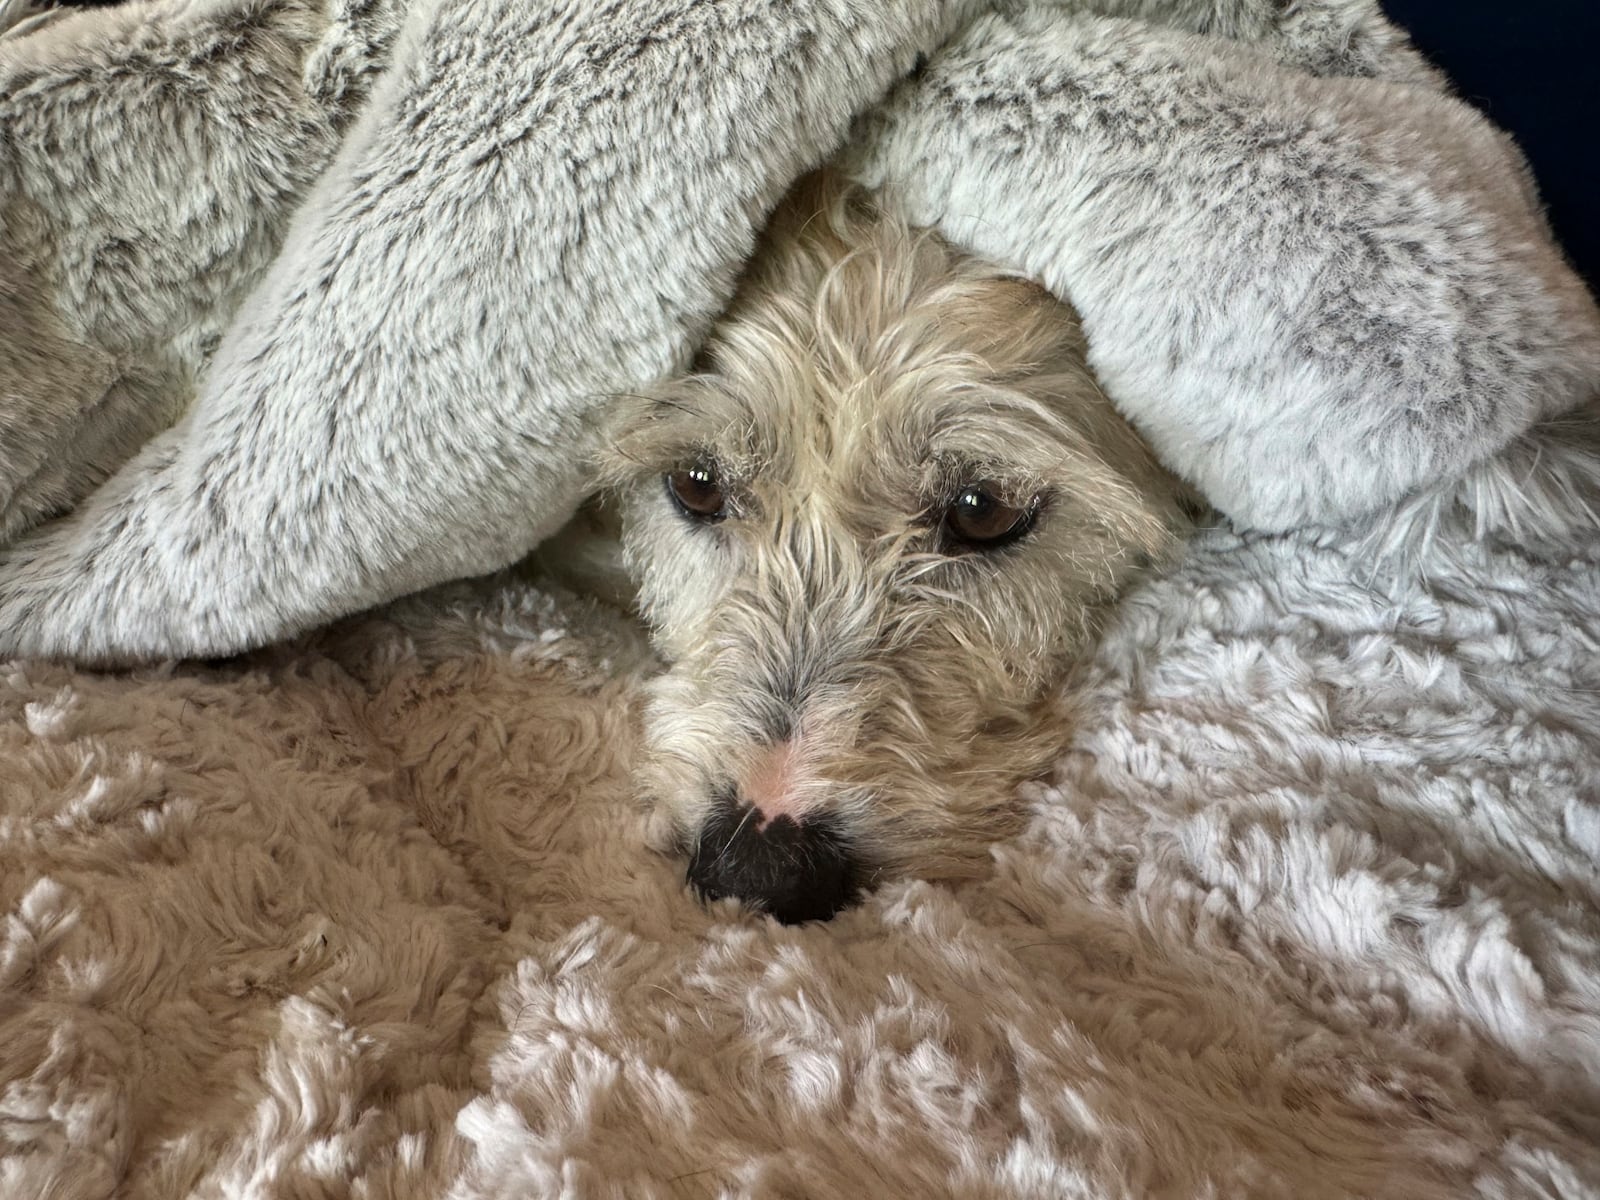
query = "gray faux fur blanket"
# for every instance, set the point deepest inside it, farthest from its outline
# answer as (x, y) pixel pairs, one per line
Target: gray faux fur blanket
(1308, 905)
(387, 265)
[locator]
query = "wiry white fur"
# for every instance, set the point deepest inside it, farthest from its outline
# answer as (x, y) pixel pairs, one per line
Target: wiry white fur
(865, 374)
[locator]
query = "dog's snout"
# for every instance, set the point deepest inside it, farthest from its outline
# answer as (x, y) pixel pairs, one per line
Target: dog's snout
(797, 870)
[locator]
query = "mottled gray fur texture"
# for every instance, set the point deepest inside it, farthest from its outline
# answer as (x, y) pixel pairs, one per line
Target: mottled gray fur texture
(386, 264)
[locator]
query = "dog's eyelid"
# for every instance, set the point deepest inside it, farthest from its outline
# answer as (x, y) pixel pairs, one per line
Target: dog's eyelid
(949, 483)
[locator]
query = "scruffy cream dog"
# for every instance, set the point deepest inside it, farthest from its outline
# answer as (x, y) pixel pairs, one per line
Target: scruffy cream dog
(870, 535)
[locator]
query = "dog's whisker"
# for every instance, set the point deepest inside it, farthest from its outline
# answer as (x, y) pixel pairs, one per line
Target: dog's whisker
(750, 813)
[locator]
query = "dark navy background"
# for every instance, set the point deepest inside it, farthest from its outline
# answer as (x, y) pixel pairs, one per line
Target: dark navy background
(1534, 67)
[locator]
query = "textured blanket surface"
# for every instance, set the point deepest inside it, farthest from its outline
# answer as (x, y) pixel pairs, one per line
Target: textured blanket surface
(1309, 905)
(1310, 908)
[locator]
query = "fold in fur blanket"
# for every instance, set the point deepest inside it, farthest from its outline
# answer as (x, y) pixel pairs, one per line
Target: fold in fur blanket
(1309, 905)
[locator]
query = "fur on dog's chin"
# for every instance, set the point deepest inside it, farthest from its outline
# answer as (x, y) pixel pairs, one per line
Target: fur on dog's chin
(832, 659)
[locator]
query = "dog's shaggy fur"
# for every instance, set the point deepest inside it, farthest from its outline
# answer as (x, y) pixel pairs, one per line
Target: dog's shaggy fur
(845, 679)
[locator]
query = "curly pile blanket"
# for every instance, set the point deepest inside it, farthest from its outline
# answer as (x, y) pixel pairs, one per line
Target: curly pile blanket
(309, 304)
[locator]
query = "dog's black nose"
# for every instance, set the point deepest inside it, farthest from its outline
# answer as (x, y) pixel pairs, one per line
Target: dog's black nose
(796, 870)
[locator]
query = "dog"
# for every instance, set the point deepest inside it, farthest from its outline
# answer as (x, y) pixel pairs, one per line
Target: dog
(870, 533)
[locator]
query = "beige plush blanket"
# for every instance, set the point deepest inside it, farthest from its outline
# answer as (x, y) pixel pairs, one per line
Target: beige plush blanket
(1309, 909)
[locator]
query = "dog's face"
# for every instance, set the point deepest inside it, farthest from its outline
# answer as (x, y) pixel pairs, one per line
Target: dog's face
(870, 537)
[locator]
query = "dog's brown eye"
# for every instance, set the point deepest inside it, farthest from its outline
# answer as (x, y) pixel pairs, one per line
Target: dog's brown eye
(697, 493)
(979, 520)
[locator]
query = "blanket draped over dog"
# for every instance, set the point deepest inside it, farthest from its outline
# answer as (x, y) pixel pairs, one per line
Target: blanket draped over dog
(388, 304)
(307, 304)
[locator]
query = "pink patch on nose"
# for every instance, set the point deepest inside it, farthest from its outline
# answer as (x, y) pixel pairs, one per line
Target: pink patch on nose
(772, 783)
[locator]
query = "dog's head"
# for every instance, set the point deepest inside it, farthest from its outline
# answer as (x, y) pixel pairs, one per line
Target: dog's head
(870, 536)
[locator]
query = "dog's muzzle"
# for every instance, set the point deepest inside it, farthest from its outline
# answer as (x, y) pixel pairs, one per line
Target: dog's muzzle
(796, 870)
